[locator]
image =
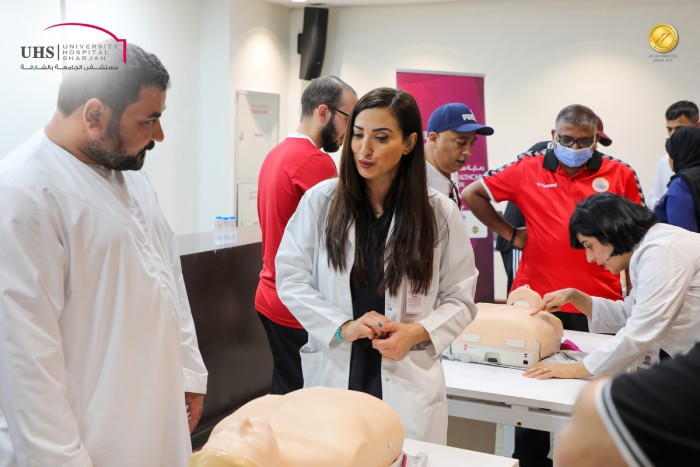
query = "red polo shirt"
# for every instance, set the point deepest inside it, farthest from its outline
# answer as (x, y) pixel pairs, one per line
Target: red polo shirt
(291, 168)
(547, 196)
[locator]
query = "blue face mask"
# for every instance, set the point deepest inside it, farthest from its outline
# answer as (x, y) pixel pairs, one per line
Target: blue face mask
(573, 157)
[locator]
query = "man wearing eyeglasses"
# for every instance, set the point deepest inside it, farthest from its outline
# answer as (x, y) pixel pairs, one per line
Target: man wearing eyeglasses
(452, 132)
(546, 185)
(296, 164)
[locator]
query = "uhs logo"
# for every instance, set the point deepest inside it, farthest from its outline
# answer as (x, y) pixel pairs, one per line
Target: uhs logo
(37, 51)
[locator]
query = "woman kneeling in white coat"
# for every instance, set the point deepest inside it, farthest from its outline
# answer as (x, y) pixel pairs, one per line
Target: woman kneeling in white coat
(379, 269)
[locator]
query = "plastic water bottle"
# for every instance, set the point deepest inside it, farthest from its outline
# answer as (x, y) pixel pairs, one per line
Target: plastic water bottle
(219, 230)
(233, 229)
(226, 230)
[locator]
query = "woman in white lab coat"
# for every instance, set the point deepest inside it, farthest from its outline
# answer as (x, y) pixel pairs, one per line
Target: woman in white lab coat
(662, 307)
(379, 269)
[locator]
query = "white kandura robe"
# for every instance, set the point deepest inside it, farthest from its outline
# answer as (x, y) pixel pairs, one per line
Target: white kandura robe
(97, 343)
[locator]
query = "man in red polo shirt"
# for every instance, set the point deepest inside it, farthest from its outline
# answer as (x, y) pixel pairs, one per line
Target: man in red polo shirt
(292, 167)
(546, 185)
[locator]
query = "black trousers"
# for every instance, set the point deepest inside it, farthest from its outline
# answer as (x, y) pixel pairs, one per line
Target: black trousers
(532, 446)
(285, 343)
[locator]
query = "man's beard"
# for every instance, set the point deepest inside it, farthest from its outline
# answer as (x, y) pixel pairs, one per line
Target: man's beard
(110, 153)
(329, 137)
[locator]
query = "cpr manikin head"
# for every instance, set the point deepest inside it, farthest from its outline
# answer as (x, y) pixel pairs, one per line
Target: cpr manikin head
(523, 300)
(311, 427)
(249, 442)
(526, 297)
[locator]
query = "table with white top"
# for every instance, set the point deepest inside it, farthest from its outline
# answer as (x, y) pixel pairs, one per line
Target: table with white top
(445, 456)
(503, 395)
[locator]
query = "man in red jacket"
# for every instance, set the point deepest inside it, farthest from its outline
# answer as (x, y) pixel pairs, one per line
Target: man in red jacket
(292, 167)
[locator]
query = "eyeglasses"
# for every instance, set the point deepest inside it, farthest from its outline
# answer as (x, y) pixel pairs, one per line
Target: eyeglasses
(334, 109)
(568, 141)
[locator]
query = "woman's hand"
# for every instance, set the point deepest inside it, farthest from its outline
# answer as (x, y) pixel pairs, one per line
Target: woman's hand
(401, 337)
(544, 370)
(368, 326)
(553, 301)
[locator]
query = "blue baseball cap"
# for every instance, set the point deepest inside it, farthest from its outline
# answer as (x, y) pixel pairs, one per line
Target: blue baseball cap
(456, 117)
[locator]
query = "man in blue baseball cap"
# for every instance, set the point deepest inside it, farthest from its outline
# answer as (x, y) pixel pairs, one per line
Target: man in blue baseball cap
(452, 132)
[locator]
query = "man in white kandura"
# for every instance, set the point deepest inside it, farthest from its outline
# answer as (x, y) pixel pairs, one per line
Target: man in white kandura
(98, 351)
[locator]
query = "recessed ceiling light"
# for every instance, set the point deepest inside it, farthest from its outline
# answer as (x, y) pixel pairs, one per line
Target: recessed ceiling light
(299, 1)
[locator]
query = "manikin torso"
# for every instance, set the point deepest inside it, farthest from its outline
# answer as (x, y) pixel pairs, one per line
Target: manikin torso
(311, 427)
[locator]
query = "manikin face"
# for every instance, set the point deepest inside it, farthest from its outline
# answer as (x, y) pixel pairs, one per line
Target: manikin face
(127, 139)
(333, 131)
(451, 150)
(602, 255)
(378, 146)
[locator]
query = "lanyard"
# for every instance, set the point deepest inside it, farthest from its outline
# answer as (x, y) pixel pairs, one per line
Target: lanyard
(454, 195)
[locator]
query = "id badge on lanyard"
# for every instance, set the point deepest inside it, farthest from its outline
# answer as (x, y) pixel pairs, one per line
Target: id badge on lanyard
(414, 303)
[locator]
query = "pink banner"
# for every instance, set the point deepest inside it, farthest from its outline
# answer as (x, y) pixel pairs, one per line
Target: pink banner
(432, 90)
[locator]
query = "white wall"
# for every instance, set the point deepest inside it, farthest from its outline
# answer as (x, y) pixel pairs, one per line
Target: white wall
(244, 47)
(537, 57)
(210, 48)
(259, 60)
(159, 26)
(214, 122)
(27, 98)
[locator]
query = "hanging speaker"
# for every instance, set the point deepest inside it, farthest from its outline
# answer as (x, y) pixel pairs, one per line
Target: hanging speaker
(312, 42)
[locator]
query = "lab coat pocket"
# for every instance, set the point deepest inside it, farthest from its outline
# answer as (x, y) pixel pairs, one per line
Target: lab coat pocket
(311, 365)
(428, 398)
(427, 374)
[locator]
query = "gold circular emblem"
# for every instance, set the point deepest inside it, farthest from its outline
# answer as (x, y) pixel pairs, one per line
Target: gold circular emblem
(663, 37)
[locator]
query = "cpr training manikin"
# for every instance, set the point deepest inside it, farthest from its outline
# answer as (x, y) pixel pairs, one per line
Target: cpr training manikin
(507, 335)
(311, 427)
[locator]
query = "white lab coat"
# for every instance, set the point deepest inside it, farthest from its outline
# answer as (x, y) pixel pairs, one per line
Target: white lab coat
(319, 297)
(97, 343)
(663, 307)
